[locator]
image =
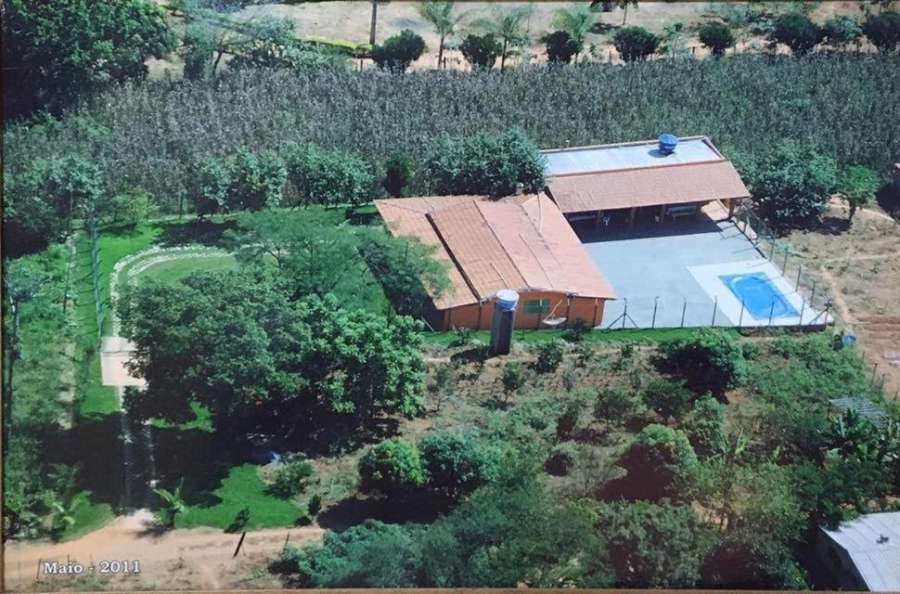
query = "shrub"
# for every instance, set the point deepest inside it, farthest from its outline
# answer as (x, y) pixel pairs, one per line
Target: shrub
(457, 463)
(791, 183)
(399, 51)
(705, 427)
(561, 47)
(561, 459)
(635, 43)
(797, 31)
(711, 361)
(618, 405)
(550, 355)
(883, 30)
(841, 30)
(513, 376)
(717, 37)
(481, 51)
(659, 462)
(669, 398)
(326, 177)
(398, 174)
(130, 208)
(314, 506)
(392, 468)
(492, 164)
(213, 181)
(292, 479)
(576, 331)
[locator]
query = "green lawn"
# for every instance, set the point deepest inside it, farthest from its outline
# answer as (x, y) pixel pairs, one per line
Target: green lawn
(242, 488)
(88, 516)
(173, 270)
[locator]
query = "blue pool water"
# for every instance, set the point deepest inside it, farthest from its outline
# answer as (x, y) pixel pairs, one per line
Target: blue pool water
(759, 295)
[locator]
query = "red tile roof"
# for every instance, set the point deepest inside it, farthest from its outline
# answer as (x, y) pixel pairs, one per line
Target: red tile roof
(647, 186)
(522, 243)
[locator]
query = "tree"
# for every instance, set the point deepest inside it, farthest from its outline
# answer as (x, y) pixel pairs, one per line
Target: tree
(319, 176)
(393, 468)
(130, 208)
(858, 186)
(444, 21)
(883, 30)
(213, 180)
(292, 478)
(511, 533)
(635, 43)
(172, 504)
(509, 27)
(257, 180)
(577, 21)
(410, 275)
(368, 555)
(398, 174)
(561, 48)
(624, 4)
(705, 427)
(659, 462)
(457, 463)
(272, 43)
(399, 51)
(840, 31)
(59, 51)
(255, 358)
(710, 361)
(481, 51)
(669, 398)
(492, 164)
(797, 31)
(717, 37)
(654, 545)
(791, 183)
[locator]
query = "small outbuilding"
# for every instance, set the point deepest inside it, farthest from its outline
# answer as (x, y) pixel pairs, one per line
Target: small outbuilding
(618, 185)
(523, 243)
(864, 554)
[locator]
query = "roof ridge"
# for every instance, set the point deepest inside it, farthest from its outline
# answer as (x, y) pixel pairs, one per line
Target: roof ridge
(642, 168)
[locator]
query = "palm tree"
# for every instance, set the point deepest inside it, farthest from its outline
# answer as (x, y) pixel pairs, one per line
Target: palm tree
(509, 28)
(172, 504)
(441, 17)
(576, 21)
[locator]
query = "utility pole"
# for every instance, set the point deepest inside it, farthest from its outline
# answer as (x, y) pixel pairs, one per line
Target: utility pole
(374, 21)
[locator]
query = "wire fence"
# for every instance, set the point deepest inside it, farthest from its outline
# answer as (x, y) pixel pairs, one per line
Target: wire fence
(99, 306)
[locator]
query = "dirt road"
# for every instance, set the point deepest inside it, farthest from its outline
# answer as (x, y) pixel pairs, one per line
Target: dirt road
(178, 559)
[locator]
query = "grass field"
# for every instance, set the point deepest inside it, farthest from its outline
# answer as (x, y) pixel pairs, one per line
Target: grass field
(242, 488)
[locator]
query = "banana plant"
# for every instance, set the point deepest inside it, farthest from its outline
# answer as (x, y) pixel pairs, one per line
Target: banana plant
(172, 504)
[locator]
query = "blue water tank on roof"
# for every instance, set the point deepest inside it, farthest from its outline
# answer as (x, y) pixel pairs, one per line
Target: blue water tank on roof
(667, 143)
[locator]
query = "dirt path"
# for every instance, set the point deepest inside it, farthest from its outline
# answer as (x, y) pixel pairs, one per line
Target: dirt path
(200, 557)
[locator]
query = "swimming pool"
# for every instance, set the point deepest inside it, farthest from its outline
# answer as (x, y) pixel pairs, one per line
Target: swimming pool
(760, 297)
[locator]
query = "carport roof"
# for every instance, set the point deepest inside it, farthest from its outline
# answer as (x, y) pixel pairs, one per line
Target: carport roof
(635, 174)
(873, 543)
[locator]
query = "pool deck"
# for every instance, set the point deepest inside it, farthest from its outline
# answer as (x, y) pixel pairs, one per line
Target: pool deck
(668, 276)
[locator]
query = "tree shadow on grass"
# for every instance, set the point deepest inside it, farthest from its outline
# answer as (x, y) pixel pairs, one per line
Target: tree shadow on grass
(422, 508)
(195, 231)
(888, 198)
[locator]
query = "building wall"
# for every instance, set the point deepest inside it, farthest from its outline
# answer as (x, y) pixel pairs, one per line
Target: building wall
(587, 309)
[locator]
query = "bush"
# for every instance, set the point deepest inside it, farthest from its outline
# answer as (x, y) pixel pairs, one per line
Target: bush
(840, 31)
(481, 51)
(669, 398)
(398, 174)
(659, 462)
(883, 30)
(550, 355)
(256, 180)
(326, 177)
(292, 479)
(561, 47)
(635, 43)
(618, 406)
(130, 208)
(711, 361)
(791, 183)
(858, 186)
(213, 181)
(314, 506)
(717, 37)
(576, 331)
(457, 463)
(513, 377)
(492, 164)
(392, 468)
(705, 427)
(399, 51)
(797, 31)
(561, 459)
